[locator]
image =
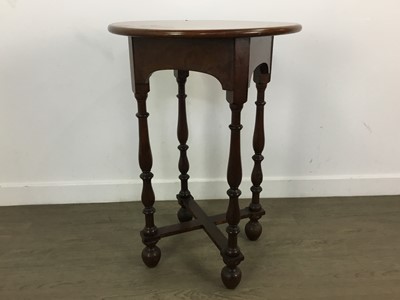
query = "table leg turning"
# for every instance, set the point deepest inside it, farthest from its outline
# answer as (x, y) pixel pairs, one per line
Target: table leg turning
(232, 256)
(151, 254)
(184, 214)
(253, 228)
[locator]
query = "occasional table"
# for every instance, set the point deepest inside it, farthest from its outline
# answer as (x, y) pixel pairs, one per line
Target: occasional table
(232, 52)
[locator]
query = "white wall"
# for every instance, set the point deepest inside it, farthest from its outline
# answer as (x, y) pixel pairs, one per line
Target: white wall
(68, 131)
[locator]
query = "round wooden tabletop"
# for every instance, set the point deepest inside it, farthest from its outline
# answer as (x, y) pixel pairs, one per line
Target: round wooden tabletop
(202, 29)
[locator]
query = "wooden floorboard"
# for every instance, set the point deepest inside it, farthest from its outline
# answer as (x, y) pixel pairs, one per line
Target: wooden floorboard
(314, 248)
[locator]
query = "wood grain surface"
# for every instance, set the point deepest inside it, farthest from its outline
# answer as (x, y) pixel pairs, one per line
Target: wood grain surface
(323, 249)
(202, 29)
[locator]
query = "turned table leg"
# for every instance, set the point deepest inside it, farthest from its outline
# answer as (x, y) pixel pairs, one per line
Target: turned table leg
(151, 254)
(184, 214)
(232, 256)
(253, 228)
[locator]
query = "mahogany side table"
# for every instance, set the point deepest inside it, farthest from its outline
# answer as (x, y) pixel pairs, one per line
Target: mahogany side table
(231, 51)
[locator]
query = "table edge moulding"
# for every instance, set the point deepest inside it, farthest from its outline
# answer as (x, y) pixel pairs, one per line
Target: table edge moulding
(233, 52)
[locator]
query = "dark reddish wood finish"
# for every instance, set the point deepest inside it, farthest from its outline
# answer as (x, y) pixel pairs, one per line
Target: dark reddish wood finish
(202, 29)
(184, 214)
(151, 253)
(253, 227)
(232, 56)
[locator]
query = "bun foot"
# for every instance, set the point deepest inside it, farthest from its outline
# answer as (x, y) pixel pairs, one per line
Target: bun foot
(231, 277)
(151, 256)
(184, 215)
(253, 230)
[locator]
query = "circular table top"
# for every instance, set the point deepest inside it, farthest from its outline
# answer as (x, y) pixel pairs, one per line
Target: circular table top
(202, 29)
